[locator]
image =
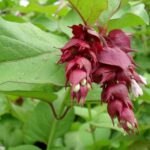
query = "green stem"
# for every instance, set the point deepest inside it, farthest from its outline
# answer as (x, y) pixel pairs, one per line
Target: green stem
(52, 135)
(58, 117)
(53, 128)
(91, 126)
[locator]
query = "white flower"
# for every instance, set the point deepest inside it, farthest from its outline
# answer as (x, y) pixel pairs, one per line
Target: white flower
(129, 125)
(143, 79)
(136, 89)
(83, 82)
(76, 88)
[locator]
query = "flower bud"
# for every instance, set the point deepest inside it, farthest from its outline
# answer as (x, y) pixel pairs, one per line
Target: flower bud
(136, 89)
(143, 79)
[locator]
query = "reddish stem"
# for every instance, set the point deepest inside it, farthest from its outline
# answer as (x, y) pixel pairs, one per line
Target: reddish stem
(74, 7)
(55, 114)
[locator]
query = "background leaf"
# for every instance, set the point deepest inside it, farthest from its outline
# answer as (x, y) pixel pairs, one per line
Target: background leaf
(25, 62)
(47, 126)
(113, 5)
(11, 133)
(90, 10)
(129, 16)
(25, 147)
(67, 22)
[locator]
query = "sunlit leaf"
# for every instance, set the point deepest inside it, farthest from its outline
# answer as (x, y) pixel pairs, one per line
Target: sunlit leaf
(28, 57)
(129, 16)
(89, 10)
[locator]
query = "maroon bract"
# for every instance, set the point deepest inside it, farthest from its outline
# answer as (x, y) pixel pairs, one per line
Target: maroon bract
(80, 54)
(120, 39)
(127, 120)
(104, 73)
(106, 60)
(115, 108)
(115, 91)
(116, 96)
(114, 57)
(78, 74)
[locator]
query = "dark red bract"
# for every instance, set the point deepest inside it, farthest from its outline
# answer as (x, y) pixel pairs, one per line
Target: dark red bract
(105, 60)
(120, 39)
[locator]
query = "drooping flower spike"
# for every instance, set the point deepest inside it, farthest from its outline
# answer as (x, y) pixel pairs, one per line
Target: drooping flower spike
(78, 73)
(80, 55)
(104, 59)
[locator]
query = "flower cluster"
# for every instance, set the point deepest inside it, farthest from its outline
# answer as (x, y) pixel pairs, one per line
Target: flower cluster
(106, 60)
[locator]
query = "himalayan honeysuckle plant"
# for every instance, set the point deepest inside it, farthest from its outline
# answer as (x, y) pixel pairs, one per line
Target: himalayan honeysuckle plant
(74, 75)
(103, 58)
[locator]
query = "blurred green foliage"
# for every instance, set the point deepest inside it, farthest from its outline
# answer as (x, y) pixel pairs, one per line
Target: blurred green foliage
(30, 37)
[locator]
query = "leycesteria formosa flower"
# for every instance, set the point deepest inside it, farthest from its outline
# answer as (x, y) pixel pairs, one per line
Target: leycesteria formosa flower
(80, 56)
(104, 59)
(78, 73)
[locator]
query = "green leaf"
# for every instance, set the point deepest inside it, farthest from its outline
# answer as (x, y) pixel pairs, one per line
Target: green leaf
(113, 5)
(89, 10)
(75, 143)
(20, 112)
(100, 117)
(38, 126)
(94, 94)
(4, 105)
(86, 136)
(25, 147)
(25, 40)
(83, 112)
(67, 22)
(129, 16)
(60, 148)
(28, 58)
(35, 70)
(13, 18)
(83, 138)
(45, 22)
(103, 121)
(123, 3)
(43, 127)
(147, 76)
(50, 9)
(143, 61)
(7, 105)
(43, 9)
(11, 131)
(24, 111)
(38, 91)
(140, 145)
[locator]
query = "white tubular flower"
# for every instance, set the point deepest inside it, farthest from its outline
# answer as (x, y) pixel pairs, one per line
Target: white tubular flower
(83, 82)
(136, 89)
(129, 125)
(76, 88)
(143, 79)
